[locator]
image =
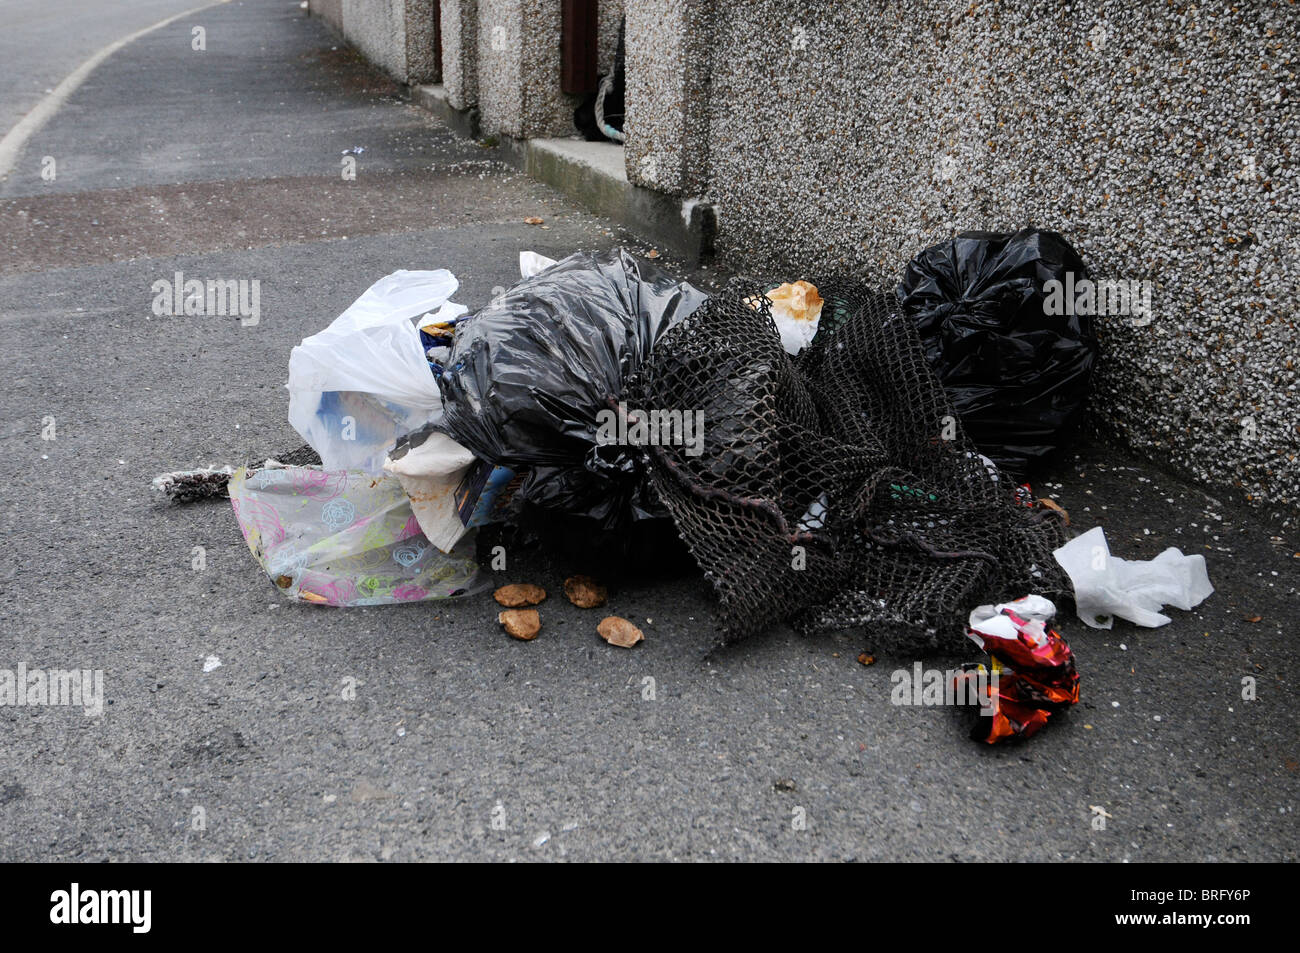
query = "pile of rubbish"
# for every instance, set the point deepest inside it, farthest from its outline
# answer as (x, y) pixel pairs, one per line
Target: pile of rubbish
(832, 455)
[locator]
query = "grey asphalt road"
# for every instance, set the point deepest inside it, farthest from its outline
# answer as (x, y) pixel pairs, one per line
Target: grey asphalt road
(44, 40)
(462, 743)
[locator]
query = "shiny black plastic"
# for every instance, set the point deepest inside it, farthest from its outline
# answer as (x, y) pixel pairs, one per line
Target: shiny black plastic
(531, 372)
(1017, 376)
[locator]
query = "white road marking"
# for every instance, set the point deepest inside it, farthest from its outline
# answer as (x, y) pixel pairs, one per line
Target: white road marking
(12, 144)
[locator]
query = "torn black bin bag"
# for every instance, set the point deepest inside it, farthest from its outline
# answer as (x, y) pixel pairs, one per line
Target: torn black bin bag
(1016, 374)
(530, 375)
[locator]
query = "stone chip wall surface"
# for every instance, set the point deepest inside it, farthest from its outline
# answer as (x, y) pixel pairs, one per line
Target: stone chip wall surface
(1160, 138)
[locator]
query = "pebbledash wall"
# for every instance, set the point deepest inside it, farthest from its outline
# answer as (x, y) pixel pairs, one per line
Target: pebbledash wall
(1160, 137)
(396, 35)
(500, 57)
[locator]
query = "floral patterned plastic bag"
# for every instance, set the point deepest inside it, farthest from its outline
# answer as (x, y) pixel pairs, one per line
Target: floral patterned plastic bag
(345, 538)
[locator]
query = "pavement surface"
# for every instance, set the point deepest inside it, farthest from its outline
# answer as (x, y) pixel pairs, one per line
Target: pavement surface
(459, 742)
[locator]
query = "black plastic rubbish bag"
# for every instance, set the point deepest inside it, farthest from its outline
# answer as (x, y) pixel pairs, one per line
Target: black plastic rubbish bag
(530, 374)
(1017, 375)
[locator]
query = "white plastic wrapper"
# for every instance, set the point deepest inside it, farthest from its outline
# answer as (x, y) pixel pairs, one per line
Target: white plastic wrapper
(531, 263)
(989, 620)
(795, 335)
(364, 381)
(1106, 586)
(430, 474)
(797, 310)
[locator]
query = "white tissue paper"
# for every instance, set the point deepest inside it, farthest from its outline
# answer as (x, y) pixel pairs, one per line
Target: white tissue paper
(1106, 586)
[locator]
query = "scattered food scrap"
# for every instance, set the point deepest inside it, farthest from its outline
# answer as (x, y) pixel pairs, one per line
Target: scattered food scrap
(618, 631)
(585, 592)
(1056, 507)
(523, 624)
(519, 594)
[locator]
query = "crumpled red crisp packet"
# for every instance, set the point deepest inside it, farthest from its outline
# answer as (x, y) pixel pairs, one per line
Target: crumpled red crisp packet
(1033, 674)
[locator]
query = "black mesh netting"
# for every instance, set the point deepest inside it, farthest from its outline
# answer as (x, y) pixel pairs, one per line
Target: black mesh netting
(837, 488)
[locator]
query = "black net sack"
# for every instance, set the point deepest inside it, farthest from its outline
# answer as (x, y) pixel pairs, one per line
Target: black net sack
(837, 488)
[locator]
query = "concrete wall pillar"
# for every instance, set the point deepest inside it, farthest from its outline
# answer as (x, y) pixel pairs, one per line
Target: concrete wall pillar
(396, 35)
(460, 52)
(669, 65)
(609, 13)
(519, 69)
(420, 37)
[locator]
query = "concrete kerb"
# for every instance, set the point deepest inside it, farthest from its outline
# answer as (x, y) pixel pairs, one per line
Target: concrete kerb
(463, 122)
(593, 175)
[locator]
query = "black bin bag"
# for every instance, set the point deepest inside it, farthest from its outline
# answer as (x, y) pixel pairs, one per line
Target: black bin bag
(530, 374)
(1016, 375)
